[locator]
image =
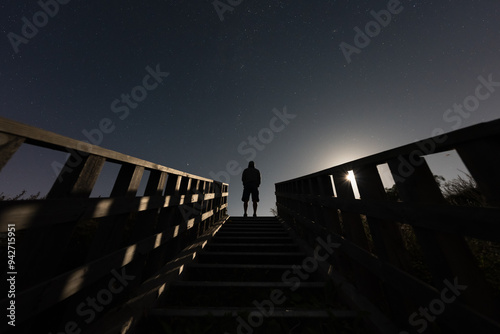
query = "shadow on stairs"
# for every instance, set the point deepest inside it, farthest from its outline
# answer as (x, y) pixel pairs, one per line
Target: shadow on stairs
(252, 277)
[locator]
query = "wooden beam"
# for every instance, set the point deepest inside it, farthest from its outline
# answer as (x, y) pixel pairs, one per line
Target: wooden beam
(43, 138)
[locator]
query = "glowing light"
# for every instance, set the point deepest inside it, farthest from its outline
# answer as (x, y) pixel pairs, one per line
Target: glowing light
(350, 177)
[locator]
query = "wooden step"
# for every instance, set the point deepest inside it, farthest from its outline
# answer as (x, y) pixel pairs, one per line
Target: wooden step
(264, 219)
(245, 228)
(251, 257)
(312, 295)
(252, 234)
(253, 321)
(236, 272)
(247, 279)
(235, 311)
(252, 247)
(265, 239)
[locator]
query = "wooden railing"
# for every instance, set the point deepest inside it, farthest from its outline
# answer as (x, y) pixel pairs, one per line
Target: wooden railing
(70, 248)
(373, 254)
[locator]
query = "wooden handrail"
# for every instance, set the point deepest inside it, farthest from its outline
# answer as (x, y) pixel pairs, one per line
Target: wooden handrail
(139, 234)
(369, 228)
(47, 139)
(453, 140)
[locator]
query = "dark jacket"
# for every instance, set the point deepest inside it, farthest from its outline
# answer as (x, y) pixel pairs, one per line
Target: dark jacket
(251, 177)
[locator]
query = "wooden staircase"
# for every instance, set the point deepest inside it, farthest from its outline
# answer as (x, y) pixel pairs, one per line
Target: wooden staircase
(249, 279)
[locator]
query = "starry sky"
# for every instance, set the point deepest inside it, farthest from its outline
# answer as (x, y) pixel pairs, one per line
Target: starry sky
(262, 80)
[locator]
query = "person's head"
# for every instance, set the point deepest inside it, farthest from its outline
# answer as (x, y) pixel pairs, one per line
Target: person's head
(251, 164)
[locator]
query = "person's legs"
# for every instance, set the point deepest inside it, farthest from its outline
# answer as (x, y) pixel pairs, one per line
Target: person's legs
(245, 208)
(245, 198)
(255, 200)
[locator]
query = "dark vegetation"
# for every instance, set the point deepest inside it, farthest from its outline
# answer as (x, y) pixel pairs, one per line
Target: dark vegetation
(19, 196)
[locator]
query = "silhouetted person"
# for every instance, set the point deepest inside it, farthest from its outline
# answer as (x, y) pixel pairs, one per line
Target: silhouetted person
(251, 183)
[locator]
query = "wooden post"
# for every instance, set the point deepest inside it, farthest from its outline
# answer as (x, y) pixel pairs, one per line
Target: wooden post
(386, 234)
(9, 145)
(482, 160)
(331, 221)
(367, 283)
(387, 240)
(78, 176)
(147, 220)
(217, 201)
(353, 226)
(331, 215)
(317, 208)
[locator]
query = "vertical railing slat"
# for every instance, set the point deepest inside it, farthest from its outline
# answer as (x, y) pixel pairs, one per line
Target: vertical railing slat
(9, 145)
(366, 281)
(352, 223)
(331, 215)
(386, 234)
(147, 220)
(481, 157)
(387, 239)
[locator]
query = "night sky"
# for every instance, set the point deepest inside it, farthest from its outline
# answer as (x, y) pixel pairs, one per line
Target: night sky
(220, 83)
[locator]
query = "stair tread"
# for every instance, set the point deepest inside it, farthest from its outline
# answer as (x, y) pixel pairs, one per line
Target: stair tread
(234, 311)
(250, 244)
(240, 266)
(256, 253)
(256, 232)
(252, 229)
(247, 284)
(250, 238)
